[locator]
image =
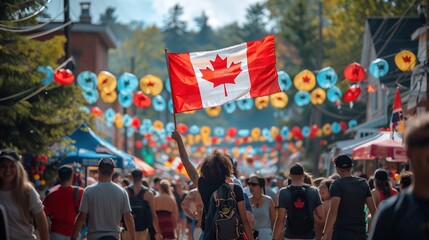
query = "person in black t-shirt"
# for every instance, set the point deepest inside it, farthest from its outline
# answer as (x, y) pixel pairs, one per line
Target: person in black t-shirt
(349, 194)
(216, 169)
(406, 216)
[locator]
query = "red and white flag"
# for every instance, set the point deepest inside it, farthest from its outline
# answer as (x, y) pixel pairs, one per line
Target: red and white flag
(397, 123)
(207, 79)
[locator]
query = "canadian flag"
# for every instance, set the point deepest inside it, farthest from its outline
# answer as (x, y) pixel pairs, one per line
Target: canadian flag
(207, 79)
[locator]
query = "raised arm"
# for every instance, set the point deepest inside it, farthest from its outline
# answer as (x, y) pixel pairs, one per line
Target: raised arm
(190, 169)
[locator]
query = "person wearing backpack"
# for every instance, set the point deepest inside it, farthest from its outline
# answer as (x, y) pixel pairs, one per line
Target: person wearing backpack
(62, 204)
(296, 205)
(224, 212)
(141, 202)
(349, 194)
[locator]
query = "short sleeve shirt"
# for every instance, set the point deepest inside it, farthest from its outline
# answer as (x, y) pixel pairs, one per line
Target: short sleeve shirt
(353, 192)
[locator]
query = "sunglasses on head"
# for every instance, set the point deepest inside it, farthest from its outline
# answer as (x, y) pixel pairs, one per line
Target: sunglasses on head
(253, 184)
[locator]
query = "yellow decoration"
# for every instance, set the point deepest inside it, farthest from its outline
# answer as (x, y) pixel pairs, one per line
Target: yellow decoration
(327, 129)
(106, 82)
(262, 139)
(119, 123)
(305, 80)
(405, 60)
(36, 177)
(275, 131)
(158, 125)
(317, 96)
(205, 131)
(279, 100)
(151, 84)
(319, 133)
(262, 102)
(197, 138)
(43, 182)
(190, 139)
(299, 144)
(213, 111)
(255, 133)
(108, 97)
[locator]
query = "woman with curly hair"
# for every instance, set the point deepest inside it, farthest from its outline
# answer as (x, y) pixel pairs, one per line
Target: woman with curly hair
(20, 199)
(216, 169)
(383, 189)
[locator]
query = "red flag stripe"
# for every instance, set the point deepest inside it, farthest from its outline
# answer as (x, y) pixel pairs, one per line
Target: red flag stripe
(184, 85)
(261, 58)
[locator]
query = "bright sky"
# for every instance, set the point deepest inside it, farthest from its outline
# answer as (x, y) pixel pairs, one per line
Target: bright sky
(220, 12)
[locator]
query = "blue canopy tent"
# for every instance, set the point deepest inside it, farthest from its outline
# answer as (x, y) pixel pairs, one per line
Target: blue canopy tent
(87, 148)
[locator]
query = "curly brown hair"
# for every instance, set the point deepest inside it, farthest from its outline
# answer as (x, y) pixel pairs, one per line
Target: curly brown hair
(216, 167)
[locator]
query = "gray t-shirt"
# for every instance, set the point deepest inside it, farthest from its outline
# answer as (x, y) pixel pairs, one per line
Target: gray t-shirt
(105, 203)
(17, 229)
(285, 201)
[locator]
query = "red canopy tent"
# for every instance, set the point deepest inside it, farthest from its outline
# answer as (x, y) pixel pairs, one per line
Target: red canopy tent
(146, 168)
(392, 150)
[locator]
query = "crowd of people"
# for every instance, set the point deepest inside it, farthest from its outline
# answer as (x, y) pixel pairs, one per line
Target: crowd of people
(292, 206)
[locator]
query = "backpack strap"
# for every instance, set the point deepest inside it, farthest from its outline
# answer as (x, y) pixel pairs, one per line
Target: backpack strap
(76, 198)
(232, 193)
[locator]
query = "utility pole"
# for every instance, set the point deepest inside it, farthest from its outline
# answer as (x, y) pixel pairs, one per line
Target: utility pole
(67, 33)
(317, 114)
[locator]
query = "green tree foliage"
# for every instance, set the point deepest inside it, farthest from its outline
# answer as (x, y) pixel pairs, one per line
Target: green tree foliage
(32, 117)
(175, 30)
(254, 27)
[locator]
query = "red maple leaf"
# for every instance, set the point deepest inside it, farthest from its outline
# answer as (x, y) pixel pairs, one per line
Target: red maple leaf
(406, 59)
(299, 203)
(221, 73)
(306, 79)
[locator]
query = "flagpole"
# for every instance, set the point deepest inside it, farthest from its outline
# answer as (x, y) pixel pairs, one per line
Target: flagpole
(172, 98)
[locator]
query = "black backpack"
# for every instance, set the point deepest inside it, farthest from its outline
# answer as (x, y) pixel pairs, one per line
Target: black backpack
(140, 209)
(300, 220)
(223, 217)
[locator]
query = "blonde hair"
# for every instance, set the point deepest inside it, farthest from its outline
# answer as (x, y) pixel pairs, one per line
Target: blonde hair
(21, 188)
(165, 187)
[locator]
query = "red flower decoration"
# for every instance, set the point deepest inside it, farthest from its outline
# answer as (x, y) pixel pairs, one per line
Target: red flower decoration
(64, 77)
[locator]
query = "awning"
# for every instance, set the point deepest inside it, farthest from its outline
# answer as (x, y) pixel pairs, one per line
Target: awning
(346, 146)
(146, 168)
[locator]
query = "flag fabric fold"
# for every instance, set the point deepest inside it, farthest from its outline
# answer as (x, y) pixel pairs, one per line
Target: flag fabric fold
(212, 78)
(397, 123)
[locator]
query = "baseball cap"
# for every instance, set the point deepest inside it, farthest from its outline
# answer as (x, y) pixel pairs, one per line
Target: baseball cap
(296, 169)
(10, 154)
(137, 173)
(64, 172)
(381, 174)
(106, 162)
(343, 161)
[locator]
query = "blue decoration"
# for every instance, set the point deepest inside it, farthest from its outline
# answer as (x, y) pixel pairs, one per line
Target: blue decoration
(109, 114)
(159, 103)
(327, 77)
(167, 85)
(266, 133)
(219, 131)
(284, 80)
(352, 123)
(334, 94)
(286, 146)
(169, 127)
(243, 132)
(335, 127)
(125, 99)
(245, 104)
(127, 83)
(170, 106)
(230, 107)
(90, 96)
(85, 110)
(87, 80)
(49, 74)
(130, 131)
(126, 119)
(284, 132)
(194, 129)
(305, 131)
(379, 68)
(302, 98)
